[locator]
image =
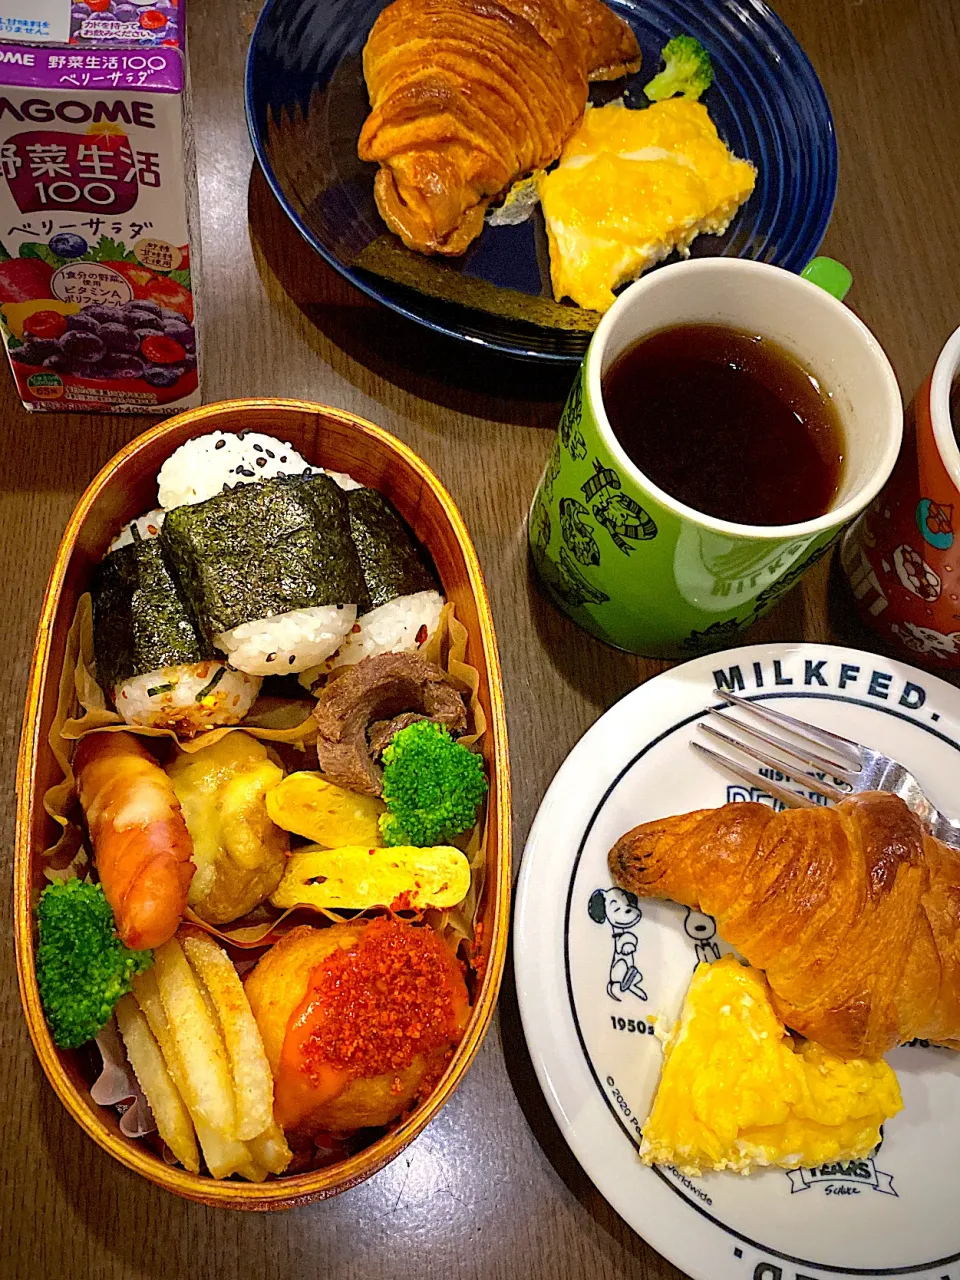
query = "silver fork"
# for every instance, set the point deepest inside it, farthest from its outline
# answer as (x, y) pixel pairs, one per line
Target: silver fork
(851, 766)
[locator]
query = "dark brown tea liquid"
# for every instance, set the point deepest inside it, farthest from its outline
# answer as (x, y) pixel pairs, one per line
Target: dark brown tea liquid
(727, 423)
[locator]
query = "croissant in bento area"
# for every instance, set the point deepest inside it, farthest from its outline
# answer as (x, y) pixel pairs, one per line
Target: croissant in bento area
(852, 912)
(468, 95)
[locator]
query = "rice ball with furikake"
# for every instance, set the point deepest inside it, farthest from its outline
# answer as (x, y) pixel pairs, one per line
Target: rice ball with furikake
(152, 661)
(270, 571)
(139, 530)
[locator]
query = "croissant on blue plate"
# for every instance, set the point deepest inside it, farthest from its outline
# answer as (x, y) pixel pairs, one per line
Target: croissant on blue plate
(469, 95)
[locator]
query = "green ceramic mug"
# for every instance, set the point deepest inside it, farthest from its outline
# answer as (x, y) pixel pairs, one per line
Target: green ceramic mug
(643, 571)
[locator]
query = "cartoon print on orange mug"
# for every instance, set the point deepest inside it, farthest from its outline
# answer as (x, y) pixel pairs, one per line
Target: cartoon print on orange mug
(899, 556)
(915, 574)
(926, 641)
(935, 522)
(867, 590)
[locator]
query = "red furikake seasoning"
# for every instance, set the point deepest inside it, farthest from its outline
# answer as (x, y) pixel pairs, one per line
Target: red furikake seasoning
(390, 997)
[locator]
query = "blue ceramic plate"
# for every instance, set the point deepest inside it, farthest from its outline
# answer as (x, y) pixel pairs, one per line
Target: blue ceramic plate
(306, 101)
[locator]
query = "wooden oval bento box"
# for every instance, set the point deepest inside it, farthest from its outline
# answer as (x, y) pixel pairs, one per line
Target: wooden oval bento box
(124, 488)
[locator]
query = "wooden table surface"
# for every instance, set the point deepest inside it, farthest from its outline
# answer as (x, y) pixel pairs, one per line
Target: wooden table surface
(490, 1189)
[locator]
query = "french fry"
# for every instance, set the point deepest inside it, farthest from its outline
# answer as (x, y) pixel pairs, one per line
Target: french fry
(223, 1156)
(169, 1111)
(270, 1149)
(252, 1078)
(200, 1049)
(208, 1001)
(147, 995)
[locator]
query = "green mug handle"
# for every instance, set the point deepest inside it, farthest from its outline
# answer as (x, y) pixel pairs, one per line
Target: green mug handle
(830, 275)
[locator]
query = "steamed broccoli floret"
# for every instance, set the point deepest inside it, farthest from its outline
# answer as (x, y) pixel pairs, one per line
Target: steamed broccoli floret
(82, 966)
(432, 786)
(687, 70)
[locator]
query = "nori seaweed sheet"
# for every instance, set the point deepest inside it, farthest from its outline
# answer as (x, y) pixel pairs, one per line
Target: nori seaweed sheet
(392, 563)
(263, 549)
(388, 258)
(141, 622)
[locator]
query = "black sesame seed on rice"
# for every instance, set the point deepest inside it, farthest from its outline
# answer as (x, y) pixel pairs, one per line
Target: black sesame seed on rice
(292, 659)
(221, 444)
(271, 657)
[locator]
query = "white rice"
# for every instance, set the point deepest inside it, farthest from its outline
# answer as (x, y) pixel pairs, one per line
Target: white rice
(147, 527)
(344, 480)
(185, 698)
(204, 467)
(288, 642)
(393, 627)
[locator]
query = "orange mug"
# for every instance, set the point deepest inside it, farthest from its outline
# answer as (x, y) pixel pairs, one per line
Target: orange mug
(902, 556)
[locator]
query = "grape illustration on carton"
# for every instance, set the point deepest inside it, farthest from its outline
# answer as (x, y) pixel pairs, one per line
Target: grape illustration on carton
(96, 286)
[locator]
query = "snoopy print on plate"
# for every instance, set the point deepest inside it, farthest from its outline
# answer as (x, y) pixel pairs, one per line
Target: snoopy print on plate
(601, 978)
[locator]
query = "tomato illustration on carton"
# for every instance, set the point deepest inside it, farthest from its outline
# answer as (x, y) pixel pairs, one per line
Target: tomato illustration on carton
(141, 21)
(147, 284)
(25, 280)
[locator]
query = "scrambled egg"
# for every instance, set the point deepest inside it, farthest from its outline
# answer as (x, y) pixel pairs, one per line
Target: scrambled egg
(631, 187)
(737, 1092)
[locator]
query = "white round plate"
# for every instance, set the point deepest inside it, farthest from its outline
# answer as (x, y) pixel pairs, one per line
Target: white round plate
(587, 996)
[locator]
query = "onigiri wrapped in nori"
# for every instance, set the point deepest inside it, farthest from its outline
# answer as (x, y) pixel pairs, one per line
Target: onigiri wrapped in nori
(152, 661)
(405, 598)
(271, 571)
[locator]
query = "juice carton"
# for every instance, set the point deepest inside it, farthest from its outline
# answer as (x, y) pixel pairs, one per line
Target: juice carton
(96, 197)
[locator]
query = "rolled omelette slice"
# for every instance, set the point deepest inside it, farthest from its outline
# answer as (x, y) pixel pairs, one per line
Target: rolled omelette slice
(738, 1092)
(632, 186)
(309, 805)
(359, 876)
